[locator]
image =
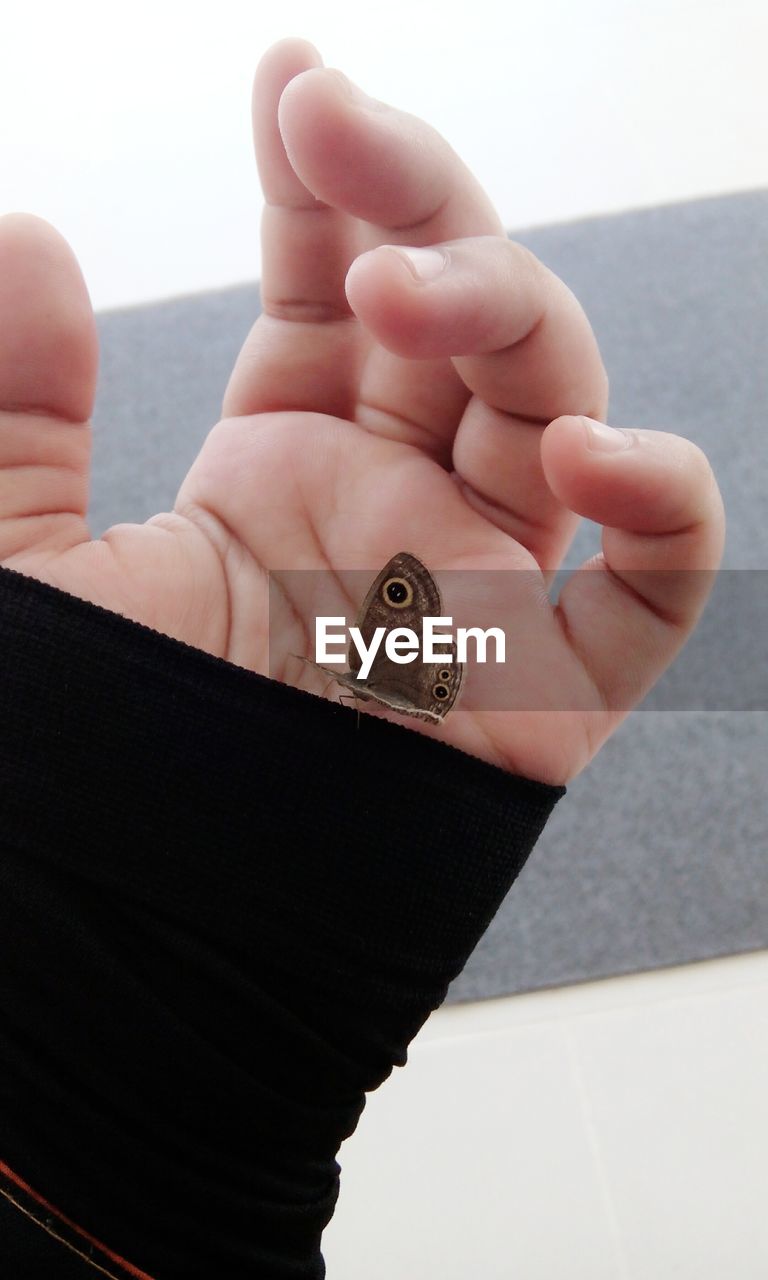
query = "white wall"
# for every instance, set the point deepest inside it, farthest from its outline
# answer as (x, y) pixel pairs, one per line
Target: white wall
(128, 126)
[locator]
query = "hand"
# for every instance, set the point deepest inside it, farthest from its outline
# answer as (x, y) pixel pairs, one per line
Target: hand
(370, 412)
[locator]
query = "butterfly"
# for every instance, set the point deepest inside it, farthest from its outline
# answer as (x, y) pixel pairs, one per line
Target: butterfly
(401, 596)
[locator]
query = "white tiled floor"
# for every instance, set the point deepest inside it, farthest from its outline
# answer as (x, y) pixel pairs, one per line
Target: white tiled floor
(614, 1130)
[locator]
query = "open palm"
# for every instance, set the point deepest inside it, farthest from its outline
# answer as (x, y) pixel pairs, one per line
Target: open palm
(369, 412)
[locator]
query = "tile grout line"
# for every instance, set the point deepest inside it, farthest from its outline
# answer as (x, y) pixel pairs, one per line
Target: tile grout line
(558, 1017)
(595, 1008)
(594, 1142)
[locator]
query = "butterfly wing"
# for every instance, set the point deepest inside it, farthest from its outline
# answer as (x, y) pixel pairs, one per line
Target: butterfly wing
(401, 596)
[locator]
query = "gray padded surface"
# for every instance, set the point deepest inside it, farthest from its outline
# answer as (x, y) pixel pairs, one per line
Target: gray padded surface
(659, 853)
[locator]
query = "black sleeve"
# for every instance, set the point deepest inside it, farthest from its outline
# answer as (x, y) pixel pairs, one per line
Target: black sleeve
(226, 908)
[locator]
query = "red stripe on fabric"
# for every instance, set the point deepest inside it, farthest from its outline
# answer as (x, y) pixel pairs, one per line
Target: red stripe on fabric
(128, 1267)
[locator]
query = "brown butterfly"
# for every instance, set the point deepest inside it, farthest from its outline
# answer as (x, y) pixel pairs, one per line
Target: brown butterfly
(403, 594)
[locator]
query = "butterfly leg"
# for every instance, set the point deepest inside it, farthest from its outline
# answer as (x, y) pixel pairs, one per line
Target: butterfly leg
(344, 697)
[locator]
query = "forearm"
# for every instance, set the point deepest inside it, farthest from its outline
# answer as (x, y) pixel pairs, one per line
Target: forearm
(227, 908)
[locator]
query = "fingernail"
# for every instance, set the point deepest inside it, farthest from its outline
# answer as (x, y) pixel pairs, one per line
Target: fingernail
(604, 438)
(425, 264)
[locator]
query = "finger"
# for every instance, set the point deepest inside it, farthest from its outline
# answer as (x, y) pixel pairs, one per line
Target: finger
(48, 367)
(525, 353)
(629, 610)
(307, 244)
(384, 166)
(362, 173)
(297, 355)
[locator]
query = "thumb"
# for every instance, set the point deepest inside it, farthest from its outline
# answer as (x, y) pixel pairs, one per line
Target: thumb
(628, 611)
(48, 367)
